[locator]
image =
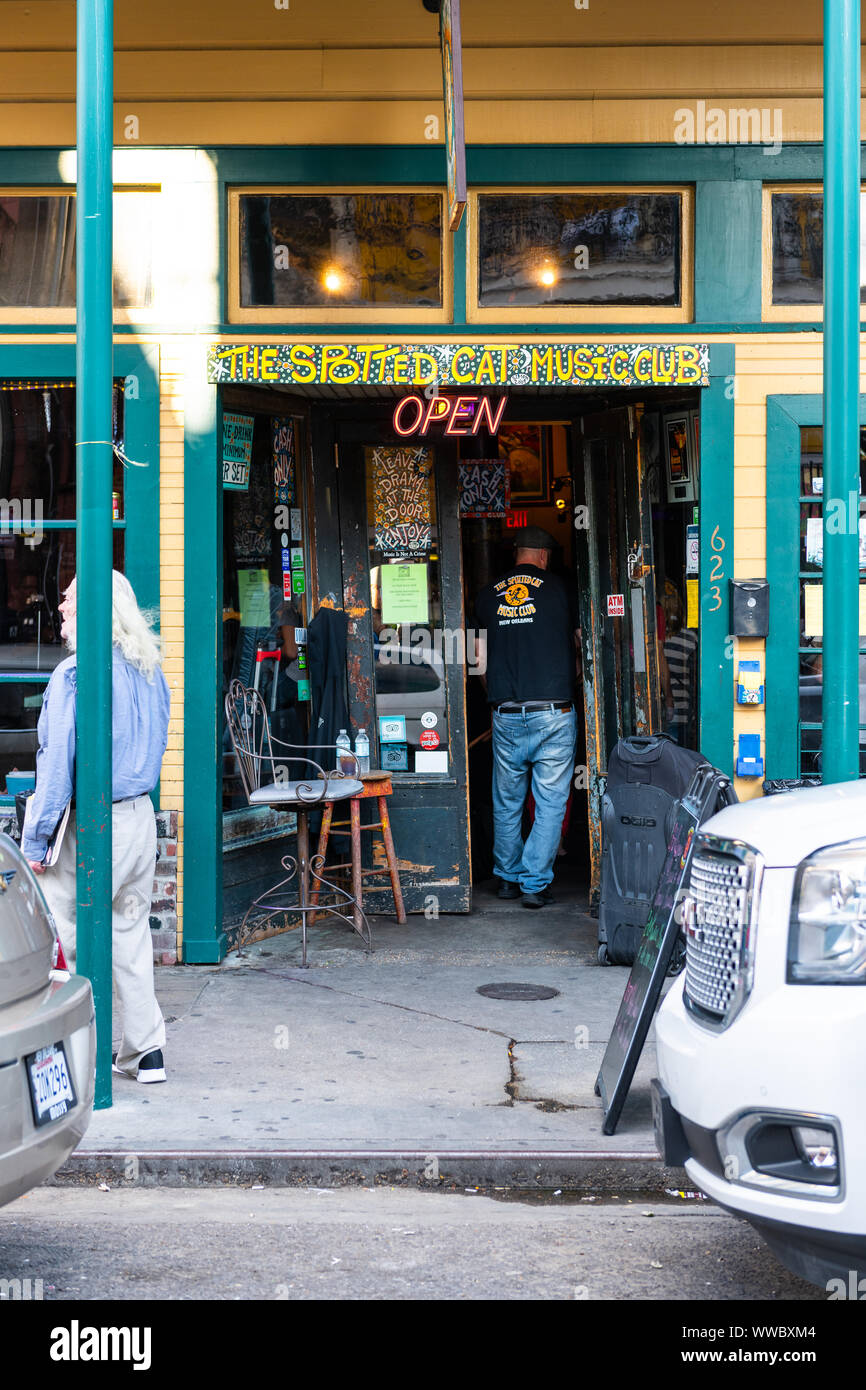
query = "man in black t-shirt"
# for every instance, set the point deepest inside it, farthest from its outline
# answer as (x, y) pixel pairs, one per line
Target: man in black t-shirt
(527, 621)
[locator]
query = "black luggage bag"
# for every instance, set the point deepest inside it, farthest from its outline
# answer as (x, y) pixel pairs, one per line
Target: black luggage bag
(646, 778)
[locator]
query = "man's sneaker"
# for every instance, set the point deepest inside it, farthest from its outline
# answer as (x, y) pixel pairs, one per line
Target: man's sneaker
(536, 900)
(151, 1067)
(508, 890)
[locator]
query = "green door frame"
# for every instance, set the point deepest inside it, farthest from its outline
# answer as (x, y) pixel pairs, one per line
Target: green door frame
(717, 544)
(786, 416)
(204, 942)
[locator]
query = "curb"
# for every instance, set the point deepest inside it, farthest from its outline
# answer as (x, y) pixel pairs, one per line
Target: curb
(583, 1170)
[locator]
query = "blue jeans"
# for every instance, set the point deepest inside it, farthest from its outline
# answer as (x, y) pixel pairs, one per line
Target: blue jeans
(540, 744)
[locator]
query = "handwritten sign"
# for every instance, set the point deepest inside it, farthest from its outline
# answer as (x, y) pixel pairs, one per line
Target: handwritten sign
(484, 488)
(283, 459)
(237, 451)
(648, 972)
(584, 364)
(402, 481)
(709, 791)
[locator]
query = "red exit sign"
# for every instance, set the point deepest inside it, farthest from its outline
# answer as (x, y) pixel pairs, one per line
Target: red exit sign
(516, 520)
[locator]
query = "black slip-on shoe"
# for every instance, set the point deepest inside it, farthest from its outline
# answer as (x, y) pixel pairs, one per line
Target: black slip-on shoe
(150, 1068)
(536, 900)
(508, 890)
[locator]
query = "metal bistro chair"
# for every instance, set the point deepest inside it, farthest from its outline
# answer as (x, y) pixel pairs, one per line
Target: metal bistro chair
(253, 744)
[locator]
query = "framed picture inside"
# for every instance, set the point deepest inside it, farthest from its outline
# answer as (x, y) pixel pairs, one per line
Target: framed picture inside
(678, 445)
(526, 450)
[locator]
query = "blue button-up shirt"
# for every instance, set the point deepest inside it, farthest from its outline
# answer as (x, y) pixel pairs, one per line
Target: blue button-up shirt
(139, 729)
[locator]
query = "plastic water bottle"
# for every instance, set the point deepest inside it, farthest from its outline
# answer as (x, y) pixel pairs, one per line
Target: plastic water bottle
(344, 746)
(362, 750)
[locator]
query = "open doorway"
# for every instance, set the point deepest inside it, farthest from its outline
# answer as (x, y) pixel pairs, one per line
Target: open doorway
(615, 482)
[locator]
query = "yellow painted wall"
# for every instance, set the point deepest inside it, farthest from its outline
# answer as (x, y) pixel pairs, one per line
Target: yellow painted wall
(213, 72)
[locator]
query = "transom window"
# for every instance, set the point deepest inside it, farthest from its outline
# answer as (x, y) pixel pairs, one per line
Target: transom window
(375, 254)
(37, 251)
(572, 254)
(794, 251)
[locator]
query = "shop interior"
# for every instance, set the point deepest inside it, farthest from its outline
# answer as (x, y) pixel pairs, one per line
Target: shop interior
(270, 568)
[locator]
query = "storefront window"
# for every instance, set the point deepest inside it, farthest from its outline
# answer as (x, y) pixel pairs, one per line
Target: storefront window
(798, 247)
(265, 580)
(340, 250)
(37, 550)
(812, 595)
(411, 646)
(588, 247)
(37, 249)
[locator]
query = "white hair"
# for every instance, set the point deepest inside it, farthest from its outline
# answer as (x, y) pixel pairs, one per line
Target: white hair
(131, 627)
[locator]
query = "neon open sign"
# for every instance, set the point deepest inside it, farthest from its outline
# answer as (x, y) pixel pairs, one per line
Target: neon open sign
(453, 414)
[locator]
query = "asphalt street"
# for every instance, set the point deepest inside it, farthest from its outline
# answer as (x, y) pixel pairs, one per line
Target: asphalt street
(379, 1244)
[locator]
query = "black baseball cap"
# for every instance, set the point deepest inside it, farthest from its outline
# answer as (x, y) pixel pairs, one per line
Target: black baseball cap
(534, 538)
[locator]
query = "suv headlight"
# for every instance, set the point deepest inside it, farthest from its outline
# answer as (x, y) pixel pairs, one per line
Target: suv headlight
(827, 937)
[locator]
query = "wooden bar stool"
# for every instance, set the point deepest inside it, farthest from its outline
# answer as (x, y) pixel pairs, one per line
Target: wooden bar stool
(378, 785)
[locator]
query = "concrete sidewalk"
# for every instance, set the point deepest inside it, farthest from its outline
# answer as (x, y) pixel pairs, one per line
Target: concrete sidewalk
(390, 1064)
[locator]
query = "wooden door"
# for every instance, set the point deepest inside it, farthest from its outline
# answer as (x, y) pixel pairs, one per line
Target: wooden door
(412, 671)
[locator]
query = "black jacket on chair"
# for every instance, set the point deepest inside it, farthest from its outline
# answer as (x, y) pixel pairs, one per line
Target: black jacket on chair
(326, 659)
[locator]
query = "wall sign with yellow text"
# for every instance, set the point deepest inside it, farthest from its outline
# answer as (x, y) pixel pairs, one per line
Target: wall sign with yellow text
(461, 364)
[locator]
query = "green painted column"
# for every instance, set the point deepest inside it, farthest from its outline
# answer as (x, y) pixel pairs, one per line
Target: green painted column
(93, 379)
(841, 714)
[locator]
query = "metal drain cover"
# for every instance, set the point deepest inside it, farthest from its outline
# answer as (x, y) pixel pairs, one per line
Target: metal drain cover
(524, 992)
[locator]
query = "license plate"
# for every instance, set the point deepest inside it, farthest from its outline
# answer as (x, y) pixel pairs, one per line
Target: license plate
(52, 1093)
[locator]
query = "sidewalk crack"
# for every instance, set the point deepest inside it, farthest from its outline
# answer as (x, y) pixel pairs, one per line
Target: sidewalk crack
(385, 1003)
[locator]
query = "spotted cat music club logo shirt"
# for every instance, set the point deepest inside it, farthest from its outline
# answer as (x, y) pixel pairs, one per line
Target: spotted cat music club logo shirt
(529, 616)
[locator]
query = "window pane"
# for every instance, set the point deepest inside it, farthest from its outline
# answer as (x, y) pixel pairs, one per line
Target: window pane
(33, 579)
(37, 249)
(20, 706)
(579, 248)
(811, 678)
(37, 453)
(264, 591)
(798, 248)
(354, 249)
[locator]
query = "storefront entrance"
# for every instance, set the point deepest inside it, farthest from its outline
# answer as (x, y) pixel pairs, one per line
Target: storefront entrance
(398, 528)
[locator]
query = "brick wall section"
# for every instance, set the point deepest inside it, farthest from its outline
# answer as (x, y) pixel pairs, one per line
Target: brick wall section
(163, 909)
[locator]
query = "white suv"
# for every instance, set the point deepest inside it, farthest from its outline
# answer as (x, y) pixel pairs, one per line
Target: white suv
(762, 1041)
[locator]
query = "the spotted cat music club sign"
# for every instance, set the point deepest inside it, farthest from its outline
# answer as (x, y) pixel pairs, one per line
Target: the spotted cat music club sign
(584, 364)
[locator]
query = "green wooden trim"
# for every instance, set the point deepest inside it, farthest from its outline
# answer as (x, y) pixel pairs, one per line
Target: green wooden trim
(203, 939)
(786, 416)
(717, 527)
(728, 251)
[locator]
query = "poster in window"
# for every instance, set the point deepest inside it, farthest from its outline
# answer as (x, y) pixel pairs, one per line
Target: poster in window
(237, 450)
(677, 449)
(485, 488)
(283, 457)
(525, 448)
(402, 482)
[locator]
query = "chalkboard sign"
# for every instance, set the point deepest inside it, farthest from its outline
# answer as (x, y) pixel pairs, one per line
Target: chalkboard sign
(710, 790)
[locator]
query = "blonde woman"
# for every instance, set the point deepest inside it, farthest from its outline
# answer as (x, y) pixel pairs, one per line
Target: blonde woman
(140, 710)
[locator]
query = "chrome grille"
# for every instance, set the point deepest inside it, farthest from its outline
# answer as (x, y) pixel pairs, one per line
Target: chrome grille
(717, 936)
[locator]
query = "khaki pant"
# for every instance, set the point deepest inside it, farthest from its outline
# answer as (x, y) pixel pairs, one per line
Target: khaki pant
(133, 859)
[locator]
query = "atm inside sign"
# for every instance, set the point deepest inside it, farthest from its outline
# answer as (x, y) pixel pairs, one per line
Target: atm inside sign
(616, 605)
